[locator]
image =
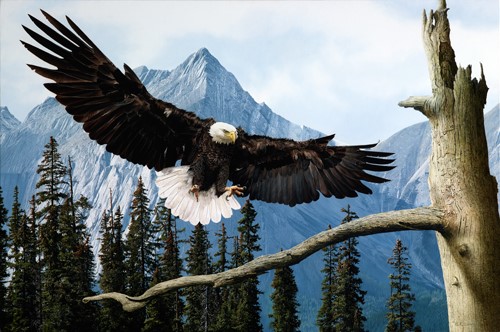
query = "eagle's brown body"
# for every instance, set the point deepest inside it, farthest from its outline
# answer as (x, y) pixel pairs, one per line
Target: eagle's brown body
(211, 164)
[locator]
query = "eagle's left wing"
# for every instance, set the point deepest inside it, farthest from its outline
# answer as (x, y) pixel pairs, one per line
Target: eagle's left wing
(290, 172)
(114, 107)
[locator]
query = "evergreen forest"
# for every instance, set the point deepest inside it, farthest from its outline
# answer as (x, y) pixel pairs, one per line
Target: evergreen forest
(48, 265)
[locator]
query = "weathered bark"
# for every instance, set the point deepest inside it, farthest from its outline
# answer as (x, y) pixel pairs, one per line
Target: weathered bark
(414, 219)
(460, 182)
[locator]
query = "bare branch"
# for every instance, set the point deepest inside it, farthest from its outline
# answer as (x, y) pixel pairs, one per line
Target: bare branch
(420, 103)
(414, 219)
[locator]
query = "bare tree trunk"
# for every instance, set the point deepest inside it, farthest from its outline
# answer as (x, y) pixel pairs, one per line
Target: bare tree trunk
(460, 183)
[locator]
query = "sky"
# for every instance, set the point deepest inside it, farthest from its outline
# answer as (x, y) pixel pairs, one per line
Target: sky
(335, 66)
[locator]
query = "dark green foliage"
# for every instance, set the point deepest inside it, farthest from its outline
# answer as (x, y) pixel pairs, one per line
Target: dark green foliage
(157, 311)
(113, 271)
(400, 317)
(164, 313)
(249, 237)
(4, 246)
(77, 262)
(223, 307)
(25, 285)
(140, 250)
(349, 297)
(247, 293)
(78, 265)
(222, 263)
(198, 297)
(67, 259)
(50, 194)
(52, 174)
(284, 298)
(325, 320)
(342, 299)
(226, 317)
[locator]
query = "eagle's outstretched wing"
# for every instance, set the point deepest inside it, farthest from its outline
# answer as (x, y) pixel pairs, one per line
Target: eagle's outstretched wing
(290, 172)
(115, 108)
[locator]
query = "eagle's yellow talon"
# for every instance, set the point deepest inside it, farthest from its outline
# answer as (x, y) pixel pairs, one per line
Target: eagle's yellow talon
(195, 189)
(235, 190)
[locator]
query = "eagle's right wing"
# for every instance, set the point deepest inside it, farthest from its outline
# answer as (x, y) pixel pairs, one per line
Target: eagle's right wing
(279, 170)
(115, 108)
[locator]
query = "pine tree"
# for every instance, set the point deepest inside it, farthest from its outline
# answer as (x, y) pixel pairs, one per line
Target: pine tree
(86, 265)
(223, 306)
(50, 194)
(77, 262)
(198, 297)
(400, 317)
(248, 307)
(164, 313)
(284, 298)
(66, 303)
(113, 272)
(172, 267)
(156, 317)
(222, 263)
(140, 250)
(227, 319)
(25, 285)
(4, 246)
(156, 311)
(67, 264)
(77, 265)
(325, 320)
(15, 222)
(348, 298)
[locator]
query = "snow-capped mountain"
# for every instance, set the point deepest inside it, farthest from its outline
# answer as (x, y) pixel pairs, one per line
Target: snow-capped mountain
(202, 85)
(7, 122)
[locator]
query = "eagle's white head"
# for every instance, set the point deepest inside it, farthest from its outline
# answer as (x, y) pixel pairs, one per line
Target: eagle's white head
(223, 133)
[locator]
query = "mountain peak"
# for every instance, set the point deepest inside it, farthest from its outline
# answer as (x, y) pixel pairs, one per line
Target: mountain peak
(202, 60)
(141, 70)
(7, 120)
(204, 54)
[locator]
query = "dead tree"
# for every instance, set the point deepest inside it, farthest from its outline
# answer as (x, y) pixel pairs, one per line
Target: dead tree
(464, 209)
(460, 182)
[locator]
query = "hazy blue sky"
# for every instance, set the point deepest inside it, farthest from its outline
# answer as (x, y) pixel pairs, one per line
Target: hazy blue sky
(336, 66)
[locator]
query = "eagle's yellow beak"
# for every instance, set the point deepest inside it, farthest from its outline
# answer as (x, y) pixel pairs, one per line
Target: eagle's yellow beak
(232, 136)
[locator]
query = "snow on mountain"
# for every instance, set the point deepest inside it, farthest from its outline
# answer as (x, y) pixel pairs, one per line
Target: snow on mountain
(7, 122)
(202, 85)
(492, 125)
(409, 183)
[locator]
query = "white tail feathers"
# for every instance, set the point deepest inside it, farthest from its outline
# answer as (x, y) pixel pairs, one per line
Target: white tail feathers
(174, 184)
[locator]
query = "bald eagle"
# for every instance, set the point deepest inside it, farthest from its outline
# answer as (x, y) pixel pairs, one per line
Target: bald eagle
(195, 158)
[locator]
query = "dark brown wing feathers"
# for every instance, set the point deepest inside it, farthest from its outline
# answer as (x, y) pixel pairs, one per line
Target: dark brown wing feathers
(117, 111)
(115, 108)
(290, 172)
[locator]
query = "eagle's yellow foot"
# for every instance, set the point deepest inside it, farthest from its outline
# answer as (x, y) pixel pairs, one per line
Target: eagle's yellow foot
(195, 189)
(235, 190)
